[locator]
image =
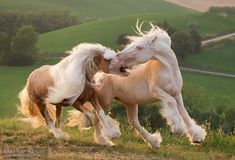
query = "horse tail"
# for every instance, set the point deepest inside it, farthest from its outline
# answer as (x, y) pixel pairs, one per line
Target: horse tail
(77, 118)
(30, 110)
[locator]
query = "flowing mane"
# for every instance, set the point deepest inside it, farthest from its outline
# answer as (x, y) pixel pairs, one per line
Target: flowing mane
(81, 62)
(149, 35)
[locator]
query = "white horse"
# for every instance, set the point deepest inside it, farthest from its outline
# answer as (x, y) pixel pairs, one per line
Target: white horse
(159, 79)
(166, 81)
(68, 83)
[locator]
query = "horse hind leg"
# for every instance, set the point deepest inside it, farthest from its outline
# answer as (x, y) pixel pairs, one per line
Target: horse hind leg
(57, 132)
(98, 136)
(153, 140)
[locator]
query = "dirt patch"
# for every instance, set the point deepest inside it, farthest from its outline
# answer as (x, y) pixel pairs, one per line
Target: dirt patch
(202, 5)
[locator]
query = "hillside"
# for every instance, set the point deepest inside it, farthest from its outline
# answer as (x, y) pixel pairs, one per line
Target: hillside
(86, 9)
(18, 140)
(106, 31)
(219, 58)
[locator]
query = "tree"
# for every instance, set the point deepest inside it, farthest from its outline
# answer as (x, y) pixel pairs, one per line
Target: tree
(23, 47)
(182, 44)
(196, 39)
(5, 42)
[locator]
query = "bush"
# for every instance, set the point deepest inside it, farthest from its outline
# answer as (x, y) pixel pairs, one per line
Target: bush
(23, 47)
(5, 43)
(182, 44)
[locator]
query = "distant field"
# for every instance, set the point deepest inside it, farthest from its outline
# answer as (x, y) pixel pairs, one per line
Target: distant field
(202, 5)
(106, 31)
(93, 8)
(213, 84)
(220, 58)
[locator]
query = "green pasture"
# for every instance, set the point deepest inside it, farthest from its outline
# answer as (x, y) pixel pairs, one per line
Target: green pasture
(220, 58)
(106, 31)
(88, 9)
(214, 85)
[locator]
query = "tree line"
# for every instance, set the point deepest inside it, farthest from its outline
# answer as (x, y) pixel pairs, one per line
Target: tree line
(229, 10)
(19, 33)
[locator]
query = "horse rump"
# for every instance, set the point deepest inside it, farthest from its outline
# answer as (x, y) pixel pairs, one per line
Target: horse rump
(30, 110)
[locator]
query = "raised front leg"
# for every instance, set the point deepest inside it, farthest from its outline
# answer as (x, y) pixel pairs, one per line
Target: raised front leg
(195, 132)
(153, 140)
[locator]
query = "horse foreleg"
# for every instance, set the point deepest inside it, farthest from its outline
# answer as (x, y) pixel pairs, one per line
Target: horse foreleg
(195, 132)
(58, 114)
(58, 133)
(153, 140)
(98, 137)
(109, 128)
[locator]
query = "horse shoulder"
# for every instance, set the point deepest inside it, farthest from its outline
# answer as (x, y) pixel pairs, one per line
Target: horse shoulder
(39, 81)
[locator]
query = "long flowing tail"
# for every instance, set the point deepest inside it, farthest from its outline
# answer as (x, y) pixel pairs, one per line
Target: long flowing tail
(31, 112)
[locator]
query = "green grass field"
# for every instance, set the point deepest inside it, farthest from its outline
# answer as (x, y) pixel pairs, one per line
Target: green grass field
(19, 140)
(217, 58)
(107, 31)
(93, 8)
(213, 84)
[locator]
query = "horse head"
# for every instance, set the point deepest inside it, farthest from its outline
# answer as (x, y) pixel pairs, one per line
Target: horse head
(145, 46)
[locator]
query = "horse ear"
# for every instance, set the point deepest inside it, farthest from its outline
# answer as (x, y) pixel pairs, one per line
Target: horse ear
(153, 39)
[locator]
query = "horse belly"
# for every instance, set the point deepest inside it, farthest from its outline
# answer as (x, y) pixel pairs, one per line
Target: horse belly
(138, 94)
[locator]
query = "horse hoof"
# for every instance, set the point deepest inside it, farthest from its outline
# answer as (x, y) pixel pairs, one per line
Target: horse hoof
(197, 142)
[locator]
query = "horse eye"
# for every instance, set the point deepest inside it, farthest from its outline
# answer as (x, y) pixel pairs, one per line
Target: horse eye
(138, 47)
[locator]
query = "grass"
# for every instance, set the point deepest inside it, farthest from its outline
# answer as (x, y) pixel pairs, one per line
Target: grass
(213, 84)
(219, 58)
(106, 31)
(86, 9)
(19, 140)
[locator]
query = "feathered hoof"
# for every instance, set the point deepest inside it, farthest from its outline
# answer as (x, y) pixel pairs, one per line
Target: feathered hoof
(178, 128)
(155, 140)
(59, 134)
(196, 134)
(112, 129)
(103, 141)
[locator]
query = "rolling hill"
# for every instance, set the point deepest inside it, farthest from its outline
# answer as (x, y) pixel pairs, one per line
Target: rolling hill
(107, 31)
(86, 9)
(219, 58)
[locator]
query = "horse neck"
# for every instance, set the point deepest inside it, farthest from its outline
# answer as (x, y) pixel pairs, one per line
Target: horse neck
(167, 58)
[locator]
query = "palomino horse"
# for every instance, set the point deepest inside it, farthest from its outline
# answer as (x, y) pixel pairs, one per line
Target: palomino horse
(68, 83)
(159, 79)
